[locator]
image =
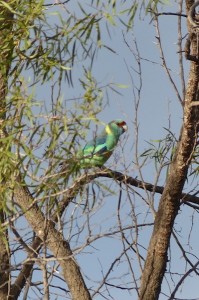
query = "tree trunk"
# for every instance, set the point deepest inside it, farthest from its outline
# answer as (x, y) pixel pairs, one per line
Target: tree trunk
(155, 264)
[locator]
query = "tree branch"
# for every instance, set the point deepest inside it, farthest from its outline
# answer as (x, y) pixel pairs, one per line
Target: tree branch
(54, 240)
(25, 272)
(155, 264)
(74, 189)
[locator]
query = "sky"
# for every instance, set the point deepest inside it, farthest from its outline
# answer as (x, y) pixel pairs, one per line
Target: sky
(159, 110)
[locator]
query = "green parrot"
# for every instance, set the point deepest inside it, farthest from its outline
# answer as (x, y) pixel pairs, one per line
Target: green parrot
(96, 152)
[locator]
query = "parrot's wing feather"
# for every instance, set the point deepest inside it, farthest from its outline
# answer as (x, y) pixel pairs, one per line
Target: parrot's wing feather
(97, 146)
(98, 141)
(100, 149)
(92, 150)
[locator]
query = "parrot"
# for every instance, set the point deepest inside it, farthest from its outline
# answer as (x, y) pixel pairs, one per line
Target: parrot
(97, 151)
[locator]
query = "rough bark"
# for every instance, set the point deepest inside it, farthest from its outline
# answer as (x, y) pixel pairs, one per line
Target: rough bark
(155, 264)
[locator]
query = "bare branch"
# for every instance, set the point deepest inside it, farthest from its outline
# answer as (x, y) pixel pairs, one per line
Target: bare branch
(73, 190)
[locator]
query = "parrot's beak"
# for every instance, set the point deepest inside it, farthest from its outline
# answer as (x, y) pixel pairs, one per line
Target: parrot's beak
(125, 127)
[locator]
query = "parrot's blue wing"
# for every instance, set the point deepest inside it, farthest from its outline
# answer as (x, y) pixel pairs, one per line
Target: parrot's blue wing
(96, 146)
(100, 140)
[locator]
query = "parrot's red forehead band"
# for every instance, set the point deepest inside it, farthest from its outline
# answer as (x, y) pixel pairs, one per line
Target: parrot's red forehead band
(122, 124)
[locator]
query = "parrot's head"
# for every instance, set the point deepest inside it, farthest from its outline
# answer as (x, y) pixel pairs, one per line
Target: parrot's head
(116, 127)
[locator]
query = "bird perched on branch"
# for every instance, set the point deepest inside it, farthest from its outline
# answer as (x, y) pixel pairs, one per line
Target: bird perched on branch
(96, 152)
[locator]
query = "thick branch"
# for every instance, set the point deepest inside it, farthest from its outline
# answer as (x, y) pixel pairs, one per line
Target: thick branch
(74, 189)
(191, 15)
(155, 264)
(25, 272)
(54, 240)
